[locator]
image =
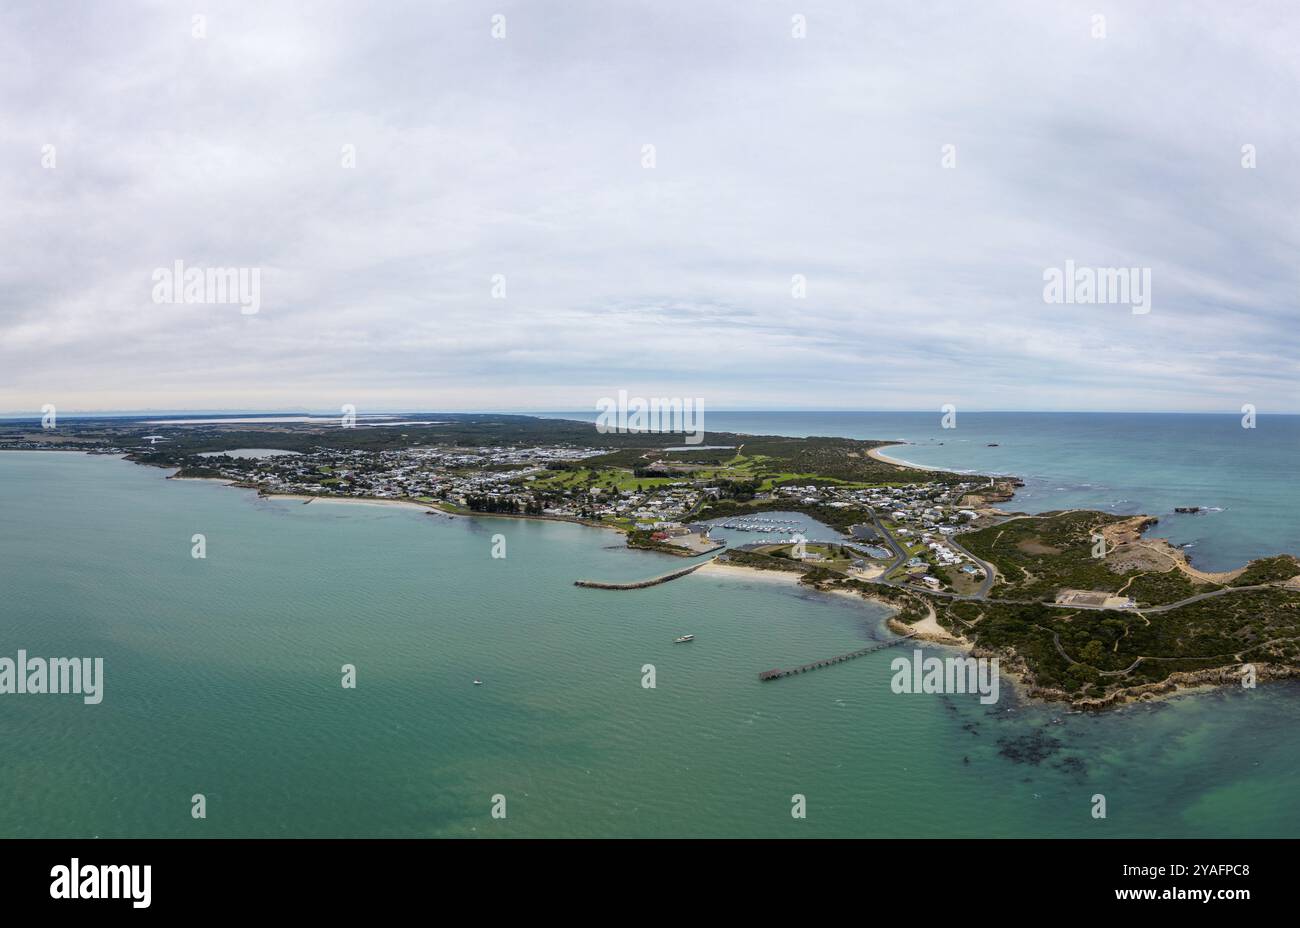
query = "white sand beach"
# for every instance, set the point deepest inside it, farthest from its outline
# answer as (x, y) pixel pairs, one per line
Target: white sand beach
(878, 455)
(749, 573)
(353, 500)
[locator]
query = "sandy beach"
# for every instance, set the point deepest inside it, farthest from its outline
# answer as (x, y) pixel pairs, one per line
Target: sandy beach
(377, 501)
(928, 628)
(749, 573)
(877, 454)
(354, 500)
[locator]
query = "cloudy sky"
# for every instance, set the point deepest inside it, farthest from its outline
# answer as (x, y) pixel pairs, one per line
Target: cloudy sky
(130, 142)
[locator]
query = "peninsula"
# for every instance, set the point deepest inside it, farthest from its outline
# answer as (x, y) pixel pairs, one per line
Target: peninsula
(1081, 606)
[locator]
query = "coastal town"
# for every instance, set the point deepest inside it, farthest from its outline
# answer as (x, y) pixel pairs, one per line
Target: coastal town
(1081, 603)
(889, 524)
(911, 524)
(928, 544)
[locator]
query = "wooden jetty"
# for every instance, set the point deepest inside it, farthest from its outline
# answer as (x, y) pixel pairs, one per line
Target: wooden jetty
(778, 673)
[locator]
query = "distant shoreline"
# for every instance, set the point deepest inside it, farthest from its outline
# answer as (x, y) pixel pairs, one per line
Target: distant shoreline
(878, 455)
(361, 500)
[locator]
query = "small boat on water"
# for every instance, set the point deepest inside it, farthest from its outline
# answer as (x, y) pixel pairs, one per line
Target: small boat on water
(478, 682)
(683, 638)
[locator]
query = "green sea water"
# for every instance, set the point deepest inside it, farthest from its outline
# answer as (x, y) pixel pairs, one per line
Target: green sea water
(222, 677)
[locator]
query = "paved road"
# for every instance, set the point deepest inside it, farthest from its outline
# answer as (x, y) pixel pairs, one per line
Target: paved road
(900, 554)
(1200, 596)
(989, 573)
(1149, 609)
(981, 595)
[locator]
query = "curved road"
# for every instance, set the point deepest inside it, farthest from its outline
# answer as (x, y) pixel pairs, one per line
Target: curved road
(900, 555)
(990, 574)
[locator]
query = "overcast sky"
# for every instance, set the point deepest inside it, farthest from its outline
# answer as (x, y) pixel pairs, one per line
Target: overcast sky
(774, 156)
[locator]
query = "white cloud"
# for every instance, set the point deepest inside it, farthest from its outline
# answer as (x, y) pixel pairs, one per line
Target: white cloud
(521, 157)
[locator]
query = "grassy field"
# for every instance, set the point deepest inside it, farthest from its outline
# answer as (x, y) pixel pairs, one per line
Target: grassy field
(761, 472)
(608, 478)
(1038, 556)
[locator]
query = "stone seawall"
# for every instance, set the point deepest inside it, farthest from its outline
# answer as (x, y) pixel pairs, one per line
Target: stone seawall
(639, 584)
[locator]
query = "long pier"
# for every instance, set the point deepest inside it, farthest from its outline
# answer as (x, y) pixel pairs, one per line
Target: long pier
(639, 584)
(778, 673)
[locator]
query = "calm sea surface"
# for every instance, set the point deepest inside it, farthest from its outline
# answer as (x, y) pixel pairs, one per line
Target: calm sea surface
(222, 675)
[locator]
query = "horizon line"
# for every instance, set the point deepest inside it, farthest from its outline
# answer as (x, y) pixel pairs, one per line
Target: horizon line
(137, 413)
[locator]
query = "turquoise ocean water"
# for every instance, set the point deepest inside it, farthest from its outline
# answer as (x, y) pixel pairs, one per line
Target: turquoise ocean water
(222, 676)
